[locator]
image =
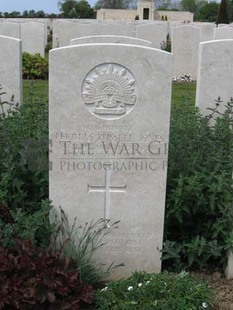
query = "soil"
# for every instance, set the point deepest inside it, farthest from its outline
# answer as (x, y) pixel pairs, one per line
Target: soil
(223, 289)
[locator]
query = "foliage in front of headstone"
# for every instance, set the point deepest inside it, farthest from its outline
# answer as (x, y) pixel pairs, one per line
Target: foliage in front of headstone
(26, 226)
(49, 44)
(32, 277)
(166, 45)
(84, 241)
(24, 155)
(35, 66)
(222, 17)
(198, 223)
(144, 291)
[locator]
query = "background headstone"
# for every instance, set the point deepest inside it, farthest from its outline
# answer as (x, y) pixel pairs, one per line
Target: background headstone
(154, 32)
(11, 68)
(110, 39)
(109, 125)
(9, 29)
(64, 31)
(223, 33)
(185, 43)
(215, 74)
(33, 37)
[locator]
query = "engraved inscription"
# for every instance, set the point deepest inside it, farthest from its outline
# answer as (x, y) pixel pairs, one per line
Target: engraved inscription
(109, 91)
(126, 242)
(107, 189)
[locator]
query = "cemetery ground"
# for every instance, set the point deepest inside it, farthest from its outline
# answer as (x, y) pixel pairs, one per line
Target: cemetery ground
(186, 195)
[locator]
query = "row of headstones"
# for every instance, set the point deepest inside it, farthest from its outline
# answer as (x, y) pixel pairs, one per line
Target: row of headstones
(109, 127)
(33, 35)
(185, 39)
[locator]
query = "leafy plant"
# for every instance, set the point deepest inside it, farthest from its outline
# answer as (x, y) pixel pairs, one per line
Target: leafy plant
(198, 222)
(35, 66)
(35, 278)
(166, 45)
(82, 243)
(26, 226)
(23, 156)
(155, 291)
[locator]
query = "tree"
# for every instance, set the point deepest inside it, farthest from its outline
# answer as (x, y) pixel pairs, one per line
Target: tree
(114, 4)
(230, 10)
(75, 9)
(208, 13)
(189, 5)
(222, 17)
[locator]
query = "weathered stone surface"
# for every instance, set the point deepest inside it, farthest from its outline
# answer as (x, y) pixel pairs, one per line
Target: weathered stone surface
(109, 125)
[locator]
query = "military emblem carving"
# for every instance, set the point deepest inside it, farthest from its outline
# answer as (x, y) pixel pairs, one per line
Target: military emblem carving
(109, 91)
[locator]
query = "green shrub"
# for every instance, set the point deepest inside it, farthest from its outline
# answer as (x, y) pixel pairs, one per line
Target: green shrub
(198, 223)
(162, 291)
(24, 155)
(26, 226)
(35, 67)
(81, 244)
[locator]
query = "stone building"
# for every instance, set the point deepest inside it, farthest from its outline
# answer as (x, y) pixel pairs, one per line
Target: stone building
(145, 11)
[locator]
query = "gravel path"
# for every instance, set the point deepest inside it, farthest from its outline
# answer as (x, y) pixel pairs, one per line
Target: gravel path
(223, 289)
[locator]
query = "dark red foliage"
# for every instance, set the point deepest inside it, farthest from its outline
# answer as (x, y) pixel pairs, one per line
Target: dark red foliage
(35, 278)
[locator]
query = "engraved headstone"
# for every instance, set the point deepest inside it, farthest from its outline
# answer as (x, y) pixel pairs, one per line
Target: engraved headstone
(215, 74)
(11, 69)
(185, 43)
(109, 127)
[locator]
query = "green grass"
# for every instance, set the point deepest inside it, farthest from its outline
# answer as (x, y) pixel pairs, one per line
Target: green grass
(39, 89)
(181, 91)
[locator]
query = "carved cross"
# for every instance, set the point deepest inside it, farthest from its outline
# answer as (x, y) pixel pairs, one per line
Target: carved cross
(107, 189)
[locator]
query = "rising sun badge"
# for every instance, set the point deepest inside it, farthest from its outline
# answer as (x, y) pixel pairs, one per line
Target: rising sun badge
(109, 91)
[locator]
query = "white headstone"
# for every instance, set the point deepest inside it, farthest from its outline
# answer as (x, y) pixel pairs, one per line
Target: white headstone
(109, 125)
(207, 31)
(154, 32)
(110, 39)
(33, 37)
(185, 43)
(11, 69)
(223, 33)
(64, 31)
(215, 74)
(10, 30)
